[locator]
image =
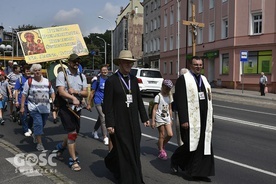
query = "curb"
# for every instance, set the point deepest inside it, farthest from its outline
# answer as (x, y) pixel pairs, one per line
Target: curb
(54, 177)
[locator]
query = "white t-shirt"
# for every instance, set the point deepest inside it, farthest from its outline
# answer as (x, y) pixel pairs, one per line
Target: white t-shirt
(38, 95)
(163, 111)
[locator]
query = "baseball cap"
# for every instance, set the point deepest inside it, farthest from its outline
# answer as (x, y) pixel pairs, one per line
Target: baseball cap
(15, 63)
(73, 57)
(10, 61)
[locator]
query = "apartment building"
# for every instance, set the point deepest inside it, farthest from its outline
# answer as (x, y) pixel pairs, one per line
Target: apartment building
(128, 33)
(151, 36)
(230, 27)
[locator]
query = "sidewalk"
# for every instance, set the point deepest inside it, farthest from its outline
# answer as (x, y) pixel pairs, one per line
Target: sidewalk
(245, 93)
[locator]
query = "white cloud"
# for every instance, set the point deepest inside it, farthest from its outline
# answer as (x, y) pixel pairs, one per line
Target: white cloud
(64, 16)
(96, 30)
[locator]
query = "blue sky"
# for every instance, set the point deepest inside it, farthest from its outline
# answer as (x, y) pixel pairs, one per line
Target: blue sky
(45, 13)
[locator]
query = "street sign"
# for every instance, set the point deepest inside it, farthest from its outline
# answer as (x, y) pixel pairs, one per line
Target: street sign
(244, 56)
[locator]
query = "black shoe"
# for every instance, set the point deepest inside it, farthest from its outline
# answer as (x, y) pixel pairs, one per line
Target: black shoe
(55, 121)
(174, 168)
(201, 178)
(2, 122)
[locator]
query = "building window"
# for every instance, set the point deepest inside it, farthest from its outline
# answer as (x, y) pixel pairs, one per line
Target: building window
(158, 22)
(225, 64)
(211, 32)
(257, 23)
(165, 18)
(190, 36)
(165, 68)
(155, 24)
(258, 61)
(151, 25)
(171, 67)
(211, 4)
(146, 28)
(154, 45)
(165, 1)
(171, 43)
(224, 1)
(224, 30)
(171, 16)
(146, 9)
(151, 6)
(190, 9)
(155, 4)
(146, 47)
(165, 44)
(199, 36)
(200, 6)
(158, 44)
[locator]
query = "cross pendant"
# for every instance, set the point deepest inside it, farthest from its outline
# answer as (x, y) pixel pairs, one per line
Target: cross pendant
(127, 103)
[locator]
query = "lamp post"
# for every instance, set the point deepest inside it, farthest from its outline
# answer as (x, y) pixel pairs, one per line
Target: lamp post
(13, 30)
(101, 17)
(6, 49)
(104, 48)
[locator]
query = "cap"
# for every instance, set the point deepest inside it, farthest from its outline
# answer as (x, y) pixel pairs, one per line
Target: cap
(2, 73)
(10, 61)
(15, 63)
(168, 83)
(73, 57)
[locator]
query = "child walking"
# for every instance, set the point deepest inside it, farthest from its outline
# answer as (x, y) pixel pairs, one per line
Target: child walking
(162, 116)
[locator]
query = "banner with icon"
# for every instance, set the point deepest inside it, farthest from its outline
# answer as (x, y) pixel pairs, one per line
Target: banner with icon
(53, 43)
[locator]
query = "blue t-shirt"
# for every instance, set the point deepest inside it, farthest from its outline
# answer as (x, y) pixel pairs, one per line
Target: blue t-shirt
(19, 86)
(99, 90)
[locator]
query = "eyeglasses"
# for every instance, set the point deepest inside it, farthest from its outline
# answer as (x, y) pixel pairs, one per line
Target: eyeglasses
(198, 65)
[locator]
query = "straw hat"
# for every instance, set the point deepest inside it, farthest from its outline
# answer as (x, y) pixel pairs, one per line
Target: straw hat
(125, 55)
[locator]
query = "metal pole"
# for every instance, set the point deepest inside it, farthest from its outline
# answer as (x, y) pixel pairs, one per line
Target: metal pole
(112, 50)
(105, 52)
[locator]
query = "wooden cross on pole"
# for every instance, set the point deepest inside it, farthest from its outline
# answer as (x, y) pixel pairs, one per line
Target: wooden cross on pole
(194, 25)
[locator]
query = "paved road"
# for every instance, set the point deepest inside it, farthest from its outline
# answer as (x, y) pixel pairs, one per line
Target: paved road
(94, 150)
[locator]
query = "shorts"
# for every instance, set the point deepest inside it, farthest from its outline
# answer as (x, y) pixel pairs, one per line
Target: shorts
(158, 124)
(69, 121)
(3, 102)
(39, 121)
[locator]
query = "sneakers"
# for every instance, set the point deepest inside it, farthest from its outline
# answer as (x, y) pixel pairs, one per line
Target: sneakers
(105, 140)
(28, 134)
(163, 155)
(40, 147)
(34, 139)
(2, 122)
(95, 135)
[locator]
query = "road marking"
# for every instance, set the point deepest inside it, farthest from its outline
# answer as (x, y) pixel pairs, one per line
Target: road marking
(246, 166)
(218, 157)
(245, 122)
(234, 108)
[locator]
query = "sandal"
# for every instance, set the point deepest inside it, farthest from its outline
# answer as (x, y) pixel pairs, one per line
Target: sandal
(74, 164)
(60, 149)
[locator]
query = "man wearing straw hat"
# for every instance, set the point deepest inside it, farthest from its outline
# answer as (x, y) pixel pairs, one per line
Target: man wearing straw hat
(122, 106)
(72, 88)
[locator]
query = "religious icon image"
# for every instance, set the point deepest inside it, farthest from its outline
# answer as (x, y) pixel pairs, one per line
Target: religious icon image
(32, 43)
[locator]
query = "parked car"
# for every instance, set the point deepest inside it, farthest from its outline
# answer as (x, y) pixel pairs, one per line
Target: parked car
(149, 79)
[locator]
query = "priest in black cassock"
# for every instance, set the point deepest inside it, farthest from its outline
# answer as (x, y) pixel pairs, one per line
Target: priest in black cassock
(195, 111)
(123, 105)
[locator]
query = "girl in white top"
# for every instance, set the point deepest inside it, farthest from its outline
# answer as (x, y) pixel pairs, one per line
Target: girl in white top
(162, 116)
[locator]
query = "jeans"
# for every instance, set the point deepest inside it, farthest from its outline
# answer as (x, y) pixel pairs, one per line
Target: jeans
(26, 120)
(39, 121)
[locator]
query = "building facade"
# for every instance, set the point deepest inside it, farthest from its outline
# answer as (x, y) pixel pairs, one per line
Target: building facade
(151, 36)
(128, 34)
(230, 27)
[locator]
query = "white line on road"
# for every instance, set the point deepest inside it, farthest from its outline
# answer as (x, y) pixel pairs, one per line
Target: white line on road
(245, 122)
(218, 157)
(259, 112)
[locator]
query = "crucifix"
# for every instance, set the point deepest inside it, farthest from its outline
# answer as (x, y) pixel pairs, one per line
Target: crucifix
(194, 25)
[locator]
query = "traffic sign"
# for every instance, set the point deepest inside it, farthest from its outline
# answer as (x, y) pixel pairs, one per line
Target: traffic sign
(244, 56)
